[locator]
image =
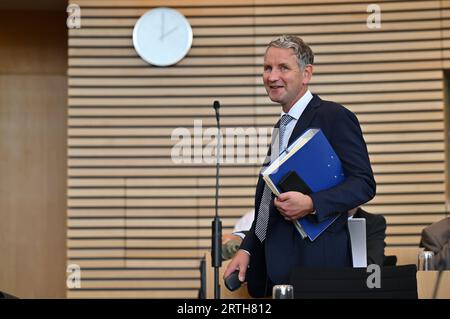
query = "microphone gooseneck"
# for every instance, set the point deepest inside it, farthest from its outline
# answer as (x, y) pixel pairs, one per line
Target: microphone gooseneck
(216, 247)
(216, 106)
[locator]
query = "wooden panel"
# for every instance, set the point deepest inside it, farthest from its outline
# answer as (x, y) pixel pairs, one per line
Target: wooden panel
(133, 293)
(139, 273)
(262, 40)
(33, 95)
(422, 219)
(131, 206)
(48, 43)
(202, 3)
(205, 101)
(428, 281)
(148, 284)
(406, 208)
(222, 31)
(215, 80)
(194, 91)
(197, 212)
(129, 52)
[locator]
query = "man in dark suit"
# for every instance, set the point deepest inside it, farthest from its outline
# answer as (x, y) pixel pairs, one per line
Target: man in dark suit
(273, 246)
(376, 234)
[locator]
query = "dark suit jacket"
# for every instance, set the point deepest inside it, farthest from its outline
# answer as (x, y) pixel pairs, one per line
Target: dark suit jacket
(283, 249)
(376, 234)
(436, 238)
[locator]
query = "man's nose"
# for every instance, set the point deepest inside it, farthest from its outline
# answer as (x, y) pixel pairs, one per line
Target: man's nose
(274, 75)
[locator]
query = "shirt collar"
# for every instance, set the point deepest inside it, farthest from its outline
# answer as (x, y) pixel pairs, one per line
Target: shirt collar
(299, 106)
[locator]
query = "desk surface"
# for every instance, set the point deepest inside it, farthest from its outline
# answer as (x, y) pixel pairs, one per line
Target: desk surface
(426, 283)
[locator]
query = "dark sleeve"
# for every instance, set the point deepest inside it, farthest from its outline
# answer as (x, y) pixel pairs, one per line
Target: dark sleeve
(429, 241)
(245, 232)
(376, 234)
(442, 258)
(442, 251)
(249, 239)
(344, 133)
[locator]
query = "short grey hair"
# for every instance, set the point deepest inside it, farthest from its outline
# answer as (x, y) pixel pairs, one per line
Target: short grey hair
(303, 52)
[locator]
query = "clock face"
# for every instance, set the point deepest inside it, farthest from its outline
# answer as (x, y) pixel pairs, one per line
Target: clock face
(162, 36)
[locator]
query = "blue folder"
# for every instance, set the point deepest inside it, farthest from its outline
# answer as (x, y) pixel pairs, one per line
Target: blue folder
(315, 162)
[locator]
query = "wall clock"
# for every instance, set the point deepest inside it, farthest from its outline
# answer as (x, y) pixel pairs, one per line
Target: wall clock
(162, 36)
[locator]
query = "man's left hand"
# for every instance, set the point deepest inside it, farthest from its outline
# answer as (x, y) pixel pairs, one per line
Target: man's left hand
(294, 205)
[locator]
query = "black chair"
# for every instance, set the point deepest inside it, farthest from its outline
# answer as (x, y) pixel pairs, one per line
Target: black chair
(338, 283)
(390, 260)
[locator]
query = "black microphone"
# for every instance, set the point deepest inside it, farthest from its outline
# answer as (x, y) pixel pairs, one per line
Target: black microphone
(216, 248)
(216, 106)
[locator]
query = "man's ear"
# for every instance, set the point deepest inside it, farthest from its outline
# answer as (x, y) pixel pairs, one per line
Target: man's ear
(307, 73)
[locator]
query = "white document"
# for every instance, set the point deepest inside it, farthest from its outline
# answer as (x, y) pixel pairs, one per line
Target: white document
(358, 239)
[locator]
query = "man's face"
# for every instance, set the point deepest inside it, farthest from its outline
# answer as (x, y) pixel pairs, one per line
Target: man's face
(283, 79)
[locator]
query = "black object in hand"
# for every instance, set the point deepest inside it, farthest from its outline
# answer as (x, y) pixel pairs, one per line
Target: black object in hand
(292, 182)
(232, 282)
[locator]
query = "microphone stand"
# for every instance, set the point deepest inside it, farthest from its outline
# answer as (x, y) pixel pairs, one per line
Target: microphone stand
(216, 252)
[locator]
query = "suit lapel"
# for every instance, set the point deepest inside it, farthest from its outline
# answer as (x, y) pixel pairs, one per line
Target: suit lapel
(305, 119)
(301, 126)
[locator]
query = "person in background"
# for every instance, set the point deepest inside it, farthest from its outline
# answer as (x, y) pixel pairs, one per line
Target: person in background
(436, 238)
(231, 242)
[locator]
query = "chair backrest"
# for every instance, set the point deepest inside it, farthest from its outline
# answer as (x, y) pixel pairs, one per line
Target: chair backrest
(330, 283)
(390, 260)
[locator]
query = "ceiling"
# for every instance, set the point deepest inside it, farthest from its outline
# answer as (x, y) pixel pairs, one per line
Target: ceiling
(46, 5)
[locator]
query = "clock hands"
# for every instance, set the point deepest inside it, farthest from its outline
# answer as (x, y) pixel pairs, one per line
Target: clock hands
(165, 34)
(168, 32)
(162, 26)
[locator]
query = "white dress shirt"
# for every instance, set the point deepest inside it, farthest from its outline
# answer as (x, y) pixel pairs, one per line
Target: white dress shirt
(296, 111)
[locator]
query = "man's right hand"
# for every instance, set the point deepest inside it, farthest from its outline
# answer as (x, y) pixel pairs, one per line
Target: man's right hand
(240, 261)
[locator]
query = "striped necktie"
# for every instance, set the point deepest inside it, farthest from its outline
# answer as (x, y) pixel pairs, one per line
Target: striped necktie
(263, 213)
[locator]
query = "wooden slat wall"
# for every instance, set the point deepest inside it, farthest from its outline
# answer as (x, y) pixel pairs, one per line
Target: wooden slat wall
(138, 223)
